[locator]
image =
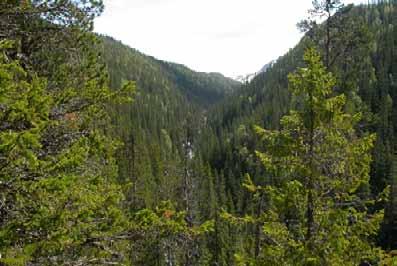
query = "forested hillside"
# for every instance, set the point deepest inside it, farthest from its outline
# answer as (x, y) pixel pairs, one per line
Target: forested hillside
(361, 51)
(360, 45)
(112, 157)
(156, 76)
(95, 142)
(166, 117)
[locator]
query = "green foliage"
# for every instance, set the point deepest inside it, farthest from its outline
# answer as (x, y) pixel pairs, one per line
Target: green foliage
(314, 213)
(154, 129)
(362, 48)
(160, 235)
(57, 196)
(60, 199)
(87, 177)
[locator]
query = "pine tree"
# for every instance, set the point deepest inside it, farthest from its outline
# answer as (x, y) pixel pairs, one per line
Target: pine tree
(320, 9)
(61, 201)
(318, 165)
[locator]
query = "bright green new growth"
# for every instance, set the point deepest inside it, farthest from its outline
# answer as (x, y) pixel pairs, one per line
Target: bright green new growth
(58, 191)
(315, 212)
(61, 200)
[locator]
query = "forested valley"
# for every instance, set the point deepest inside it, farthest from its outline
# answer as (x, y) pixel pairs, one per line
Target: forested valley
(109, 156)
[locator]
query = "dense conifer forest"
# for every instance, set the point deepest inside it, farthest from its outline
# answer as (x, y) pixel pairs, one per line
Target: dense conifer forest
(109, 156)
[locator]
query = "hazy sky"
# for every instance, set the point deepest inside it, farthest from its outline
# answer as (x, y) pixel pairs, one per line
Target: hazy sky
(233, 37)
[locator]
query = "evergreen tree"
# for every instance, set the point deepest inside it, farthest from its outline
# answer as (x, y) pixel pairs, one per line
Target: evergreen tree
(60, 199)
(322, 8)
(314, 212)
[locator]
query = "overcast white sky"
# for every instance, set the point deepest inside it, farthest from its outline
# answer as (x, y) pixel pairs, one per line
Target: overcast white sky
(233, 37)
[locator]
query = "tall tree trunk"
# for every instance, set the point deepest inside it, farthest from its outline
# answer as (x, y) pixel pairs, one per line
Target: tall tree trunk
(310, 181)
(328, 41)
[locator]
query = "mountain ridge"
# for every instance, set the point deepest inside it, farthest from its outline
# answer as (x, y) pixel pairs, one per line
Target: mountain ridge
(203, 88)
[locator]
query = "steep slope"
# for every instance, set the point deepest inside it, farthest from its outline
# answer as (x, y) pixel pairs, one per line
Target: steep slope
(364, 46)
(154, 76)
(166, 115)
